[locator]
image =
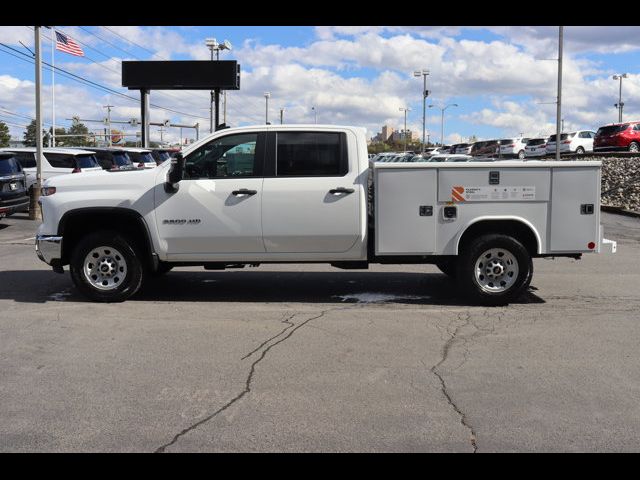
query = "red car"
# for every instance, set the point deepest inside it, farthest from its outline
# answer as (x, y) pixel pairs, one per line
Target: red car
(620, 136)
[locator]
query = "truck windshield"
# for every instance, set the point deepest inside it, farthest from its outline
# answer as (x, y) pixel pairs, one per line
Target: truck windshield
(121, 159)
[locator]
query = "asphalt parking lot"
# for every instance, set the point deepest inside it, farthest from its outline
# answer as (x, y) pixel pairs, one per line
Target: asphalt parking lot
(311, 358)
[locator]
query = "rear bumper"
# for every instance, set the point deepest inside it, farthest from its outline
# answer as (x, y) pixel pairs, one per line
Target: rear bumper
(49, 249)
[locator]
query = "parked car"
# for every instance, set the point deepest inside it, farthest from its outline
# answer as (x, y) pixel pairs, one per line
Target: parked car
(13, 186)
(485, 148)
(620, 136)
(141, 157)
(161, 155)
(56, 161)
(513, 147)
(536, 147)
(111, 158)
(578, 142)
(463, 148)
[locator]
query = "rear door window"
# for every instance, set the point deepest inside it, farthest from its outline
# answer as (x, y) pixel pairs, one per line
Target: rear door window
(60, 160)
(317, 154)
(86, 161)
(26, 159)
(9, 166)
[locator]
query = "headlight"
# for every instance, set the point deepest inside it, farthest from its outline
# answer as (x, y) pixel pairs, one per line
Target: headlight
(46, 191)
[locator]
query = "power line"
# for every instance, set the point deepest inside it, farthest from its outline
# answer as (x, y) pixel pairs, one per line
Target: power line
(97, 85)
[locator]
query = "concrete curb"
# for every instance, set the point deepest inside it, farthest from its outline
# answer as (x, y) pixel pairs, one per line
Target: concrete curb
(620, 211)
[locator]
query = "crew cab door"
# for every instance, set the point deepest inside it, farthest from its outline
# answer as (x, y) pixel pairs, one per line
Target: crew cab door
(216, 209)
(310, 200)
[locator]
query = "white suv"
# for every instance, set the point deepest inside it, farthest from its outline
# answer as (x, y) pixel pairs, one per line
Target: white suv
(513, 147)
(578, 142)
(56, 161)
(536, 147)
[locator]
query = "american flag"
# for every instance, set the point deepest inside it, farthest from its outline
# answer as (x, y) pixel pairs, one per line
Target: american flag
(66, 44)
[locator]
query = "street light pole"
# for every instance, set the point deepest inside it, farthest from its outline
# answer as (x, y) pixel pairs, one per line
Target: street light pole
(405, 110)
(425, 94)
(315, 114)
(620, 105)
(442, 109)
(34, 211)
(281, 115)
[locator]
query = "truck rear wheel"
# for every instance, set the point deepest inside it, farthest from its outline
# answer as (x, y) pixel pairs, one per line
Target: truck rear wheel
(105, 267)
(494, 269)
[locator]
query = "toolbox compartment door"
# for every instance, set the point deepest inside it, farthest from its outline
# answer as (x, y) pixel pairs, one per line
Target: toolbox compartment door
(575, 193)
(406, 211)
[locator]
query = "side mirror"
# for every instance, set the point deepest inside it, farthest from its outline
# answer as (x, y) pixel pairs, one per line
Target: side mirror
(176, 172)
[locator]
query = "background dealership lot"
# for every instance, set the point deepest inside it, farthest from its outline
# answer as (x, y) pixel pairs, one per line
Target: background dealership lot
(309, 358)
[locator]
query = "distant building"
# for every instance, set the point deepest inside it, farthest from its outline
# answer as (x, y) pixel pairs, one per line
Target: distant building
(384, 135)
(400, 135)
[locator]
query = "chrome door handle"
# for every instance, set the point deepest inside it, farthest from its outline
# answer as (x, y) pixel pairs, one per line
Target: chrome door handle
(244, 191)
(341, 190)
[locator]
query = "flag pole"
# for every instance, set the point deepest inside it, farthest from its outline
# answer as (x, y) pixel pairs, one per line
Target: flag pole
(53, 85)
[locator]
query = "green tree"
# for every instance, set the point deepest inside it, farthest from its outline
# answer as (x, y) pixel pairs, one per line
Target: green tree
(4, 135)
(30, 135)
(59, 141)
(77, 128)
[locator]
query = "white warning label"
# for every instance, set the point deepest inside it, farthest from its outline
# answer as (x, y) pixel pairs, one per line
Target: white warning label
(492, 194)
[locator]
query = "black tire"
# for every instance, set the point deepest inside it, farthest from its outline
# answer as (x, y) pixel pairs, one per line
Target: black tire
(634, 147)
(466, 274)
(134, 268)
(521, 154)
(448, 267)
(163, 269)
(580, 151)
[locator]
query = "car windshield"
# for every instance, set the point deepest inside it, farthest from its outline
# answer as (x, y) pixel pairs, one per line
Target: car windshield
(563, 136)
(86, 161)
(9, 166)
(507, 141)
(535, 141)
(611, 129)
(141, 157)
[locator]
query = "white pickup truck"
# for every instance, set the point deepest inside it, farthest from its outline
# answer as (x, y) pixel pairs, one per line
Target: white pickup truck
(308, 194)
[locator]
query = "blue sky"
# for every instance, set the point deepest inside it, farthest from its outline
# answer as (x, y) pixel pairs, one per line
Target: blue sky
(355, 75)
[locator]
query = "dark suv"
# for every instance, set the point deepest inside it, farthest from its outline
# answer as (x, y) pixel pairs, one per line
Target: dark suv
(112, 158)
(13, 186)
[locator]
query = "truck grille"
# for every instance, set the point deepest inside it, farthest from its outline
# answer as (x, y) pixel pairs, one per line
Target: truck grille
(7, 186)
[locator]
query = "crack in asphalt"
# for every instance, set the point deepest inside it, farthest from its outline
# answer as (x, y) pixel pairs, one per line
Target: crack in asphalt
(285, 320)
(252, 370)
(443, 386)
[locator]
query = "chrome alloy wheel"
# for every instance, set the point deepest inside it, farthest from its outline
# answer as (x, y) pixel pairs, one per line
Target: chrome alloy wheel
(496, 270)
(105, 268)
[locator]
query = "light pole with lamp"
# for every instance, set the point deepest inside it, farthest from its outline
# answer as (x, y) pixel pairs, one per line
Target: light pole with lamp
(315, 114)
(213, 45)
(266, 111)
(404, 133)
(620, 104)
(442, 109)
(425, 94)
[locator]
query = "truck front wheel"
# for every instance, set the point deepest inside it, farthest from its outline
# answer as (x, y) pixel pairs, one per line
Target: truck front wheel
(494, 269)
(105, 267)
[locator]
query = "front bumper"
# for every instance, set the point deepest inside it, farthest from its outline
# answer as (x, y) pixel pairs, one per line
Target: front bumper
(49, 249)
(9, 207)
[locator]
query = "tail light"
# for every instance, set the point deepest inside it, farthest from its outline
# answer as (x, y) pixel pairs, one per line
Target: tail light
(567, 141)
(141, 165)
(511, 145)
(76, 170)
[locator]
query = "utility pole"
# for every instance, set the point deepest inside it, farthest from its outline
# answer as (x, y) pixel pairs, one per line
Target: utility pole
(266, 108)
(281, 115)
(404, 133)
(109, 107)
(315, 114)
(161, 130)
(559, 106)
(34, 211)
